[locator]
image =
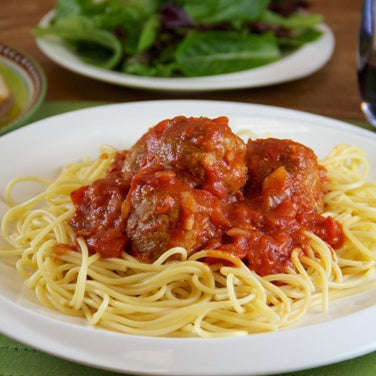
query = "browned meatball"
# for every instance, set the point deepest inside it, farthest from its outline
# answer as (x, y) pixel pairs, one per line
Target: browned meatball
(204, 152)
(288, 168)
(165, 213)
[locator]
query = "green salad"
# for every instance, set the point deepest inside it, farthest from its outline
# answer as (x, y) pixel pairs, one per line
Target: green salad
(183, 37)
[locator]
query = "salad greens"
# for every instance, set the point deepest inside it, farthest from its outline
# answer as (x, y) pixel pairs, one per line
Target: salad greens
(183, 37)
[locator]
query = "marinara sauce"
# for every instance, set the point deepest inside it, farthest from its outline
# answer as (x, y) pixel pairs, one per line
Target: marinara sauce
(271, 194)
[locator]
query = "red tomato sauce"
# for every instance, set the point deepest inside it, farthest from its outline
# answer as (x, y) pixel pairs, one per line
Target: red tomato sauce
(254, 200)
(98, 217)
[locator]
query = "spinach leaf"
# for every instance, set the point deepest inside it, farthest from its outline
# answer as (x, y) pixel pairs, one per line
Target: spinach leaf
(295, 21)
(214, 11)
(299, 39)
(67, 8)
(80, 30)
(130, 41)
(148, 33)
(217, 52)
(126, 13)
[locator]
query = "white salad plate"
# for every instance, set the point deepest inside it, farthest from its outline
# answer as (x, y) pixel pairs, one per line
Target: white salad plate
(301, 63)
(344, 332)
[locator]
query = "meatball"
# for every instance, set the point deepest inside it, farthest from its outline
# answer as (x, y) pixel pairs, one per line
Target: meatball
(204, 152)
(165, 212)
(284, 170)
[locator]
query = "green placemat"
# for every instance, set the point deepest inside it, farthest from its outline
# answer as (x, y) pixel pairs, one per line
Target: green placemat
(17, 359)
(53, 108)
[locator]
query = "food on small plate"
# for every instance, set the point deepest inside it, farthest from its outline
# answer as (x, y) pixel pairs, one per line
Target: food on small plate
(6, 98)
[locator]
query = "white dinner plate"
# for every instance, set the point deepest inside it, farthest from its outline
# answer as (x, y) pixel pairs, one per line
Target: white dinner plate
(301, 63)
(345, 331)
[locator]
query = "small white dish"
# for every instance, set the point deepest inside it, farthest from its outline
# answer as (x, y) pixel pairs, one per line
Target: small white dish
(301, 63)
(345, 331)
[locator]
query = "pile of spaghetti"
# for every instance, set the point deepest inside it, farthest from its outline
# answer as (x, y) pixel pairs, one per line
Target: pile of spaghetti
(192, 232)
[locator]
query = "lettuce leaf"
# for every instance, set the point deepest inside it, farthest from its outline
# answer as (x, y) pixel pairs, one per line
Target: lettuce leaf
(295, 21)
(217, 52)
(80, 30)
(214, 11)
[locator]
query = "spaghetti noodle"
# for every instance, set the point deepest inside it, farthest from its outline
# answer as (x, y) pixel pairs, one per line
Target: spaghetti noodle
(178, 294)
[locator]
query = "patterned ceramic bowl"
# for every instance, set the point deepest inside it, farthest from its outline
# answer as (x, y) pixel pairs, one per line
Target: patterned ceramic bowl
(27, 84)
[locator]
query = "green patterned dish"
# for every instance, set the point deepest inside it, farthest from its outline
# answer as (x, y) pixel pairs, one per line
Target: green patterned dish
(27, 84)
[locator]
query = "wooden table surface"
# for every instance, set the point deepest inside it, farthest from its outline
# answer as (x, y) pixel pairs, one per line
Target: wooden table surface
(332, 91)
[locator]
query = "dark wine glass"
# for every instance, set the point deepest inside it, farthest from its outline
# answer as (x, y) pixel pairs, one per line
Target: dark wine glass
(367, 60)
